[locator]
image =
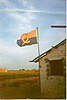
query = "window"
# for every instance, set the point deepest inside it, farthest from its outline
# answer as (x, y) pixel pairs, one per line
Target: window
(56, 67)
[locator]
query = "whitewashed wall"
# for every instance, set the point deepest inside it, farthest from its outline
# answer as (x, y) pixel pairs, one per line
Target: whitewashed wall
(52, 86)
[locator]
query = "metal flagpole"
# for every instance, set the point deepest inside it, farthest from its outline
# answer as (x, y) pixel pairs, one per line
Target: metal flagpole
(39, 58)
(38, 42)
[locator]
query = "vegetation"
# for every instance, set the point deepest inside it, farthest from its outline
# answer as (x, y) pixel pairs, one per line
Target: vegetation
(19, 84)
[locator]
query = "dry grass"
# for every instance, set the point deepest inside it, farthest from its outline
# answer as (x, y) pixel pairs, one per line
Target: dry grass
(19, 84)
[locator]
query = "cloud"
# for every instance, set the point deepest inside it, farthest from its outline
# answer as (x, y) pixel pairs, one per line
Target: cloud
(22, 22)
(3, 1)
(6, 4)
(11, 54)
(29, 8)
(27, 4)
(14, 5)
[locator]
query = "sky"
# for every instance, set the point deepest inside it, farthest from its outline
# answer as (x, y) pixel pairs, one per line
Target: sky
(22, 16)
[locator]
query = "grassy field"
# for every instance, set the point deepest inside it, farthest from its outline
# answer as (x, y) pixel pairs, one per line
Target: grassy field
(19, 84)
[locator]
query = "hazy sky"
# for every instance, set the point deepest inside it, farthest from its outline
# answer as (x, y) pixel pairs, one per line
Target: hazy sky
(14, 23)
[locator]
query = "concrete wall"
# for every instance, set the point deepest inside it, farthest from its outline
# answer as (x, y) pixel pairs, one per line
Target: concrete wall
(52, 86)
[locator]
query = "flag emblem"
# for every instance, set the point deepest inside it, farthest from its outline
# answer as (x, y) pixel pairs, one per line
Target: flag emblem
(28, 38)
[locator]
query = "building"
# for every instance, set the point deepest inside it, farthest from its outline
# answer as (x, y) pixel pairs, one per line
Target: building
(52, 65)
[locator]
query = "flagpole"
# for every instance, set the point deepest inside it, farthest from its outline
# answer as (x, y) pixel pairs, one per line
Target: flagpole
(39, 58)
(38, 42)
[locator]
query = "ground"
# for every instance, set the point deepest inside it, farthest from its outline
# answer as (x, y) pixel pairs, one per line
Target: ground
(19, 84)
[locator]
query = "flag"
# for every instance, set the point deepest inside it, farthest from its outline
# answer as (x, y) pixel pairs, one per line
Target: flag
(28, 38)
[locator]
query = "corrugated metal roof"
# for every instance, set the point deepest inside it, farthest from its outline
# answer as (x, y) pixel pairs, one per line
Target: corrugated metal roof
(45, 53)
